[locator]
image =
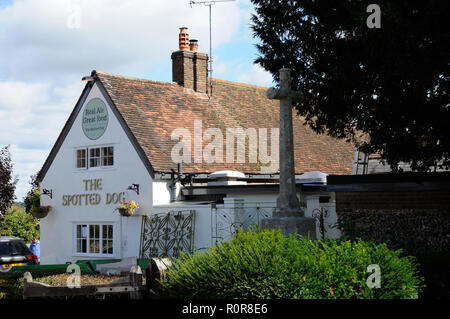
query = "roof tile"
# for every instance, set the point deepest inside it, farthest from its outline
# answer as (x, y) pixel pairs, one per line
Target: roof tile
(153, 110)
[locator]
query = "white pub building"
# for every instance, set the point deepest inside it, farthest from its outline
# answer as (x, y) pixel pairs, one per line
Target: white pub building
(185, 152)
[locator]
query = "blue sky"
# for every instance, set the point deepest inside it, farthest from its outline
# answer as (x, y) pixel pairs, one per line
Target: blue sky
(47, 46)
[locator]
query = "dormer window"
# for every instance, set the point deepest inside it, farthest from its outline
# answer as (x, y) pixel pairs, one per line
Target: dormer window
(91, 157)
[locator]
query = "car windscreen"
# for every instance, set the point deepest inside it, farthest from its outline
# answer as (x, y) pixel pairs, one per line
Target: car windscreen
(12, 248)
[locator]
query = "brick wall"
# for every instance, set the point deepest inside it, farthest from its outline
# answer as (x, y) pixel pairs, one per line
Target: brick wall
(201, 72)
(183, 68)
(190, 69)
(416, 221)
(346, 201)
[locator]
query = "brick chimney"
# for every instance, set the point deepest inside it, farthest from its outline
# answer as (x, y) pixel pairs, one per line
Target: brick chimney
(190, 67)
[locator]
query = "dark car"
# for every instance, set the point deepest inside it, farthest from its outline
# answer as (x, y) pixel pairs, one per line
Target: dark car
(13, 252)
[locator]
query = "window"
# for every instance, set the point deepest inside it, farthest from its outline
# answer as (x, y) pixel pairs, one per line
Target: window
(81, 158)
(13, 247)
(108, 156)
(107, 239)
(94, 239)
(81, 239)
(95, 157)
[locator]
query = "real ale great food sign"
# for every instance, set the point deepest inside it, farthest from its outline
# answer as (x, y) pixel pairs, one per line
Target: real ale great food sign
(95, 119)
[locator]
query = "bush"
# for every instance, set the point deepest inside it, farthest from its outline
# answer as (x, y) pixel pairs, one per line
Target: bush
(32, 200)
(267, 264)
(20, 224)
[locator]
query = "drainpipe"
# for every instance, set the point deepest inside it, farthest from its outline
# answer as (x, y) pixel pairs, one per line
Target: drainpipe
(174, 180)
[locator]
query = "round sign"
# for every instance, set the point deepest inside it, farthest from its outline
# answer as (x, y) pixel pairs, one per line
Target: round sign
(95, 119)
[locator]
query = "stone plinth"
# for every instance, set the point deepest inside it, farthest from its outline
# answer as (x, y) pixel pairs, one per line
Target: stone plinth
(303, 226)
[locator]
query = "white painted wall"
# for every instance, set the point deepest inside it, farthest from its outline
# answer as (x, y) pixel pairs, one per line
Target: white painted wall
(202, 235)
(268, 198)
(161, 192)
(57, 230)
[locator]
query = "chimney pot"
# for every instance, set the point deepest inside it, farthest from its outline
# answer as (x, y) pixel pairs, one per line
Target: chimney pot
(190, 67)
(183, 39)
(193, 45)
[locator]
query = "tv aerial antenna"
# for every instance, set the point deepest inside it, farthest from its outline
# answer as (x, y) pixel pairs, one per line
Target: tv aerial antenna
(209, 4)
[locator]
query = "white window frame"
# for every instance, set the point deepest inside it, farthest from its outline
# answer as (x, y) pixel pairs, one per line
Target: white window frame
(87, 253)
(85, 158)
(88, 157)
(95, 158)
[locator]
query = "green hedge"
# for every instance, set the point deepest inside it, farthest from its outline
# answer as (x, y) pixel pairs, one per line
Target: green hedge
(19, 223)
(267, 264)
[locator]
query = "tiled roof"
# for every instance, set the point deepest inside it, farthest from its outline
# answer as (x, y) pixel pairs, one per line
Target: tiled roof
(153, 110)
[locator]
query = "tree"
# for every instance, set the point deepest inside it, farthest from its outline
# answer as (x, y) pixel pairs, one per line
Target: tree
(7, 182)
(33, 197)
(389, 85)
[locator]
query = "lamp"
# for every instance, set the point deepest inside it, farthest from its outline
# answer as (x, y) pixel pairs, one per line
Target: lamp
(47, 192)
(134, 187)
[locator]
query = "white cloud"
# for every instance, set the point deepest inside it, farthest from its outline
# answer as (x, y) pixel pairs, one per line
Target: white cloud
(43, 55)
(257, 76)
(38, 39)
(31, 117)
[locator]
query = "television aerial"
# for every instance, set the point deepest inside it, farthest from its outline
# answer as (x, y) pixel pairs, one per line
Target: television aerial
(209, 4)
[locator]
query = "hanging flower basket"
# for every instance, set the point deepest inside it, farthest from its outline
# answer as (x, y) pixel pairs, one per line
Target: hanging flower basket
(127, 208)
(126, 211)
(41, 211)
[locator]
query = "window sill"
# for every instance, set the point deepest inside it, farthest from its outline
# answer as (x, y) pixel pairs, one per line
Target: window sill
(95, 255)
(94, 169)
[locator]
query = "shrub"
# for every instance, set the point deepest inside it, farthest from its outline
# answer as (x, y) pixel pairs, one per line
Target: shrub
(267, 264)
(20, 224)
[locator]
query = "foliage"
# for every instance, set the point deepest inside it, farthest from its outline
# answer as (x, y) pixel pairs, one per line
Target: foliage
(18, 223)
(389, 84)
(11, 287)
(267, 264)
(7, 182)
(422, 233)
(32, 200)
(33, 196)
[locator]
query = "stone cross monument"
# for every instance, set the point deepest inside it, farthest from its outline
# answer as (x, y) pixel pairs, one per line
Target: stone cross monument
(288, 215)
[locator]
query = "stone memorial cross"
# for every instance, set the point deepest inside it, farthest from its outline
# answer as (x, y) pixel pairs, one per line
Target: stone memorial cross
(288, 216)
(287, 202)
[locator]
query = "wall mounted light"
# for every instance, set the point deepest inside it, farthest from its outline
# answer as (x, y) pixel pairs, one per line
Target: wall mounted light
(47, 192)
(134, 187)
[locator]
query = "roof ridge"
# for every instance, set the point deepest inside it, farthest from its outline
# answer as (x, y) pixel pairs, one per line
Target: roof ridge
(241, 84)
(173, 83)
(133, 78)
